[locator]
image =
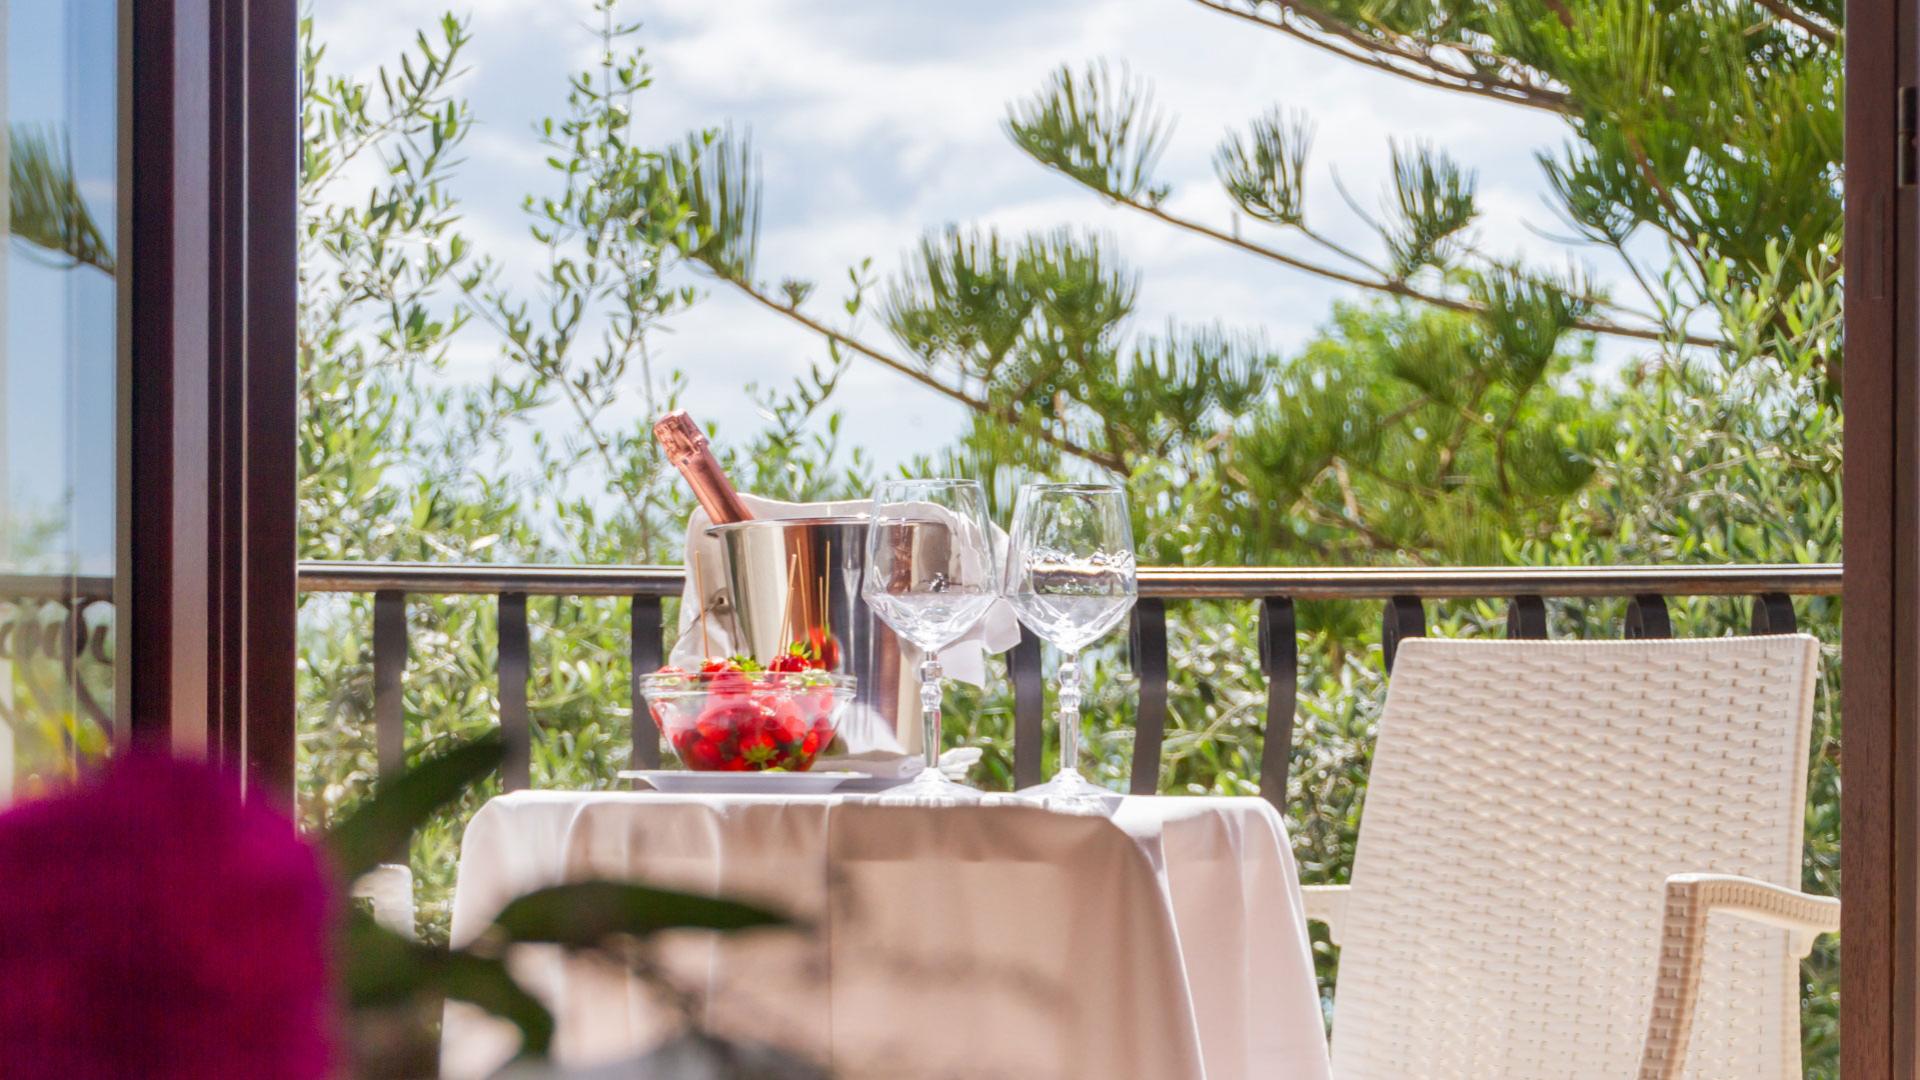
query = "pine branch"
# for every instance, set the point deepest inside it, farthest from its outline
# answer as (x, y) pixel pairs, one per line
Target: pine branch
(1822, 32)
(1348, 520)
(1340, 39)
(1469, 420)
(1643, 164)
(1085, 140)
(46, 207)
(1385, 285)
(1105, 459)
(1339, 250)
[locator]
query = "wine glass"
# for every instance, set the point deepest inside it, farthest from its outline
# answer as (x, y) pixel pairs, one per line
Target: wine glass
(1070, 578)
(931, 576)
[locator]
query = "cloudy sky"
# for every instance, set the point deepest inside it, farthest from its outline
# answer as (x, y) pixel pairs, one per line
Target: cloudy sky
(878, 120)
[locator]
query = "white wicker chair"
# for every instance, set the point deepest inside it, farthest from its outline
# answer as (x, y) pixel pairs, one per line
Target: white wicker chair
(1580, 859)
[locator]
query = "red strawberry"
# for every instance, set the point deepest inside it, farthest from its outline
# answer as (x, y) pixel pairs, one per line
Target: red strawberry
(725, 677)
(728, 685)
(759, 749)
(724, 717)
(816, 700)
(786, 720)
(703, 754)
(823, 649)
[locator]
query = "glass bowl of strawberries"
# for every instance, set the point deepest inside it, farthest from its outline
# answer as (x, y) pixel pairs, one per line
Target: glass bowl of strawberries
(736, 716)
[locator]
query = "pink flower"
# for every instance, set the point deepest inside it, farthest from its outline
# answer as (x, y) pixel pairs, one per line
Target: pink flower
(152, 925)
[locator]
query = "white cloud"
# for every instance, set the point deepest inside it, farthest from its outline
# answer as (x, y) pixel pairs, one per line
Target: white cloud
(876, 121)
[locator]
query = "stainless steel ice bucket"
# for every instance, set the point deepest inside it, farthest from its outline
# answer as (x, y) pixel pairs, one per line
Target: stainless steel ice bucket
(790, 576)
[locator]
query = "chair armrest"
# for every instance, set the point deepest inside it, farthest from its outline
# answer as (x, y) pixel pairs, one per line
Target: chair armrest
(1806, 915)
(1326, 904)
(1683, 937)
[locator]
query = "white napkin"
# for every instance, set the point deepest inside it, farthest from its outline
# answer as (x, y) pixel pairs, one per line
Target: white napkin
(965, 660)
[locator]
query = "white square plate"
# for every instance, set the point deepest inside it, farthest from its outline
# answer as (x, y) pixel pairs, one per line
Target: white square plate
(687, 782)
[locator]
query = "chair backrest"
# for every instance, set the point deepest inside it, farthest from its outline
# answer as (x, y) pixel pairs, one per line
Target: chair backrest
(1527, 802)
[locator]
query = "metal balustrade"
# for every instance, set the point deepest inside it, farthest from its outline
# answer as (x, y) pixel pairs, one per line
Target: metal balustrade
(48, 642)
(1403, 592)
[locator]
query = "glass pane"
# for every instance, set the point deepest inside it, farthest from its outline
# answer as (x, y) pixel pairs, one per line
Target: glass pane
(58, 307)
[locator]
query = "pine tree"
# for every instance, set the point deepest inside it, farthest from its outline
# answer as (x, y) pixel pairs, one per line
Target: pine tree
(1453, 410)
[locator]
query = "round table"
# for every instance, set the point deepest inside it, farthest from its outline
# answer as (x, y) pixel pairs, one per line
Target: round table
(1167, 941)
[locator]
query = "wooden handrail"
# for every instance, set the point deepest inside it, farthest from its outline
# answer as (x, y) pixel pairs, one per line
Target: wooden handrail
(1172, 583)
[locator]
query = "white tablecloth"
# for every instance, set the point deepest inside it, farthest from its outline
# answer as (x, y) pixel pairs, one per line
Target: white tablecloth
(1167, 942)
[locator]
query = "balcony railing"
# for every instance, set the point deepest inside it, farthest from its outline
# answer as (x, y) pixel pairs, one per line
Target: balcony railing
(44, 622)
(1403, 593)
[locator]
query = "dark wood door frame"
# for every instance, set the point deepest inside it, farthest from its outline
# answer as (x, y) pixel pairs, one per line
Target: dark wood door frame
(1881, 625)
(210, 178)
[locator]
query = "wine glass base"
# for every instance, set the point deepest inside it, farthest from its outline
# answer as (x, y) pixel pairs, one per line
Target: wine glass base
(1070, 792)
(931, 788)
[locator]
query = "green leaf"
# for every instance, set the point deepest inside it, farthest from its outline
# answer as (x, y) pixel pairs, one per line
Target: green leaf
(384, 969)
(583, 914)
(486, 983)
(381, 966)
(381, 826)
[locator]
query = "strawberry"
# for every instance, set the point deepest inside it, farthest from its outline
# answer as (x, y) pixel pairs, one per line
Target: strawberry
(792, 662)
(723, 718)
(728, 684)
(822, 649)
(789, 722)
(704, 754)
(759, 749)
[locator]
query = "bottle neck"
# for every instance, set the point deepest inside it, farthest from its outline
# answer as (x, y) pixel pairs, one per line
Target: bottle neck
(686, 447)
(711, 488)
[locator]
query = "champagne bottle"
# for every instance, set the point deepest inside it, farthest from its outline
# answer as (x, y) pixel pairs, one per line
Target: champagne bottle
(686, 447)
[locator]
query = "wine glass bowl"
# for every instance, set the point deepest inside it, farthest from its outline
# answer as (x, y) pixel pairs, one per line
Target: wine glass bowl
(922, 585)
(1073, 600)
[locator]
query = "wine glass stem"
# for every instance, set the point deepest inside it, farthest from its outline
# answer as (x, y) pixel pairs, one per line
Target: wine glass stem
(1070, 714)
(930, 710)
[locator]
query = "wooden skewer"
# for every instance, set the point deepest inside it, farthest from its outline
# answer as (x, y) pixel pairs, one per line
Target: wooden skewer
(786, 605)
(825, 574)
(700, 584)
